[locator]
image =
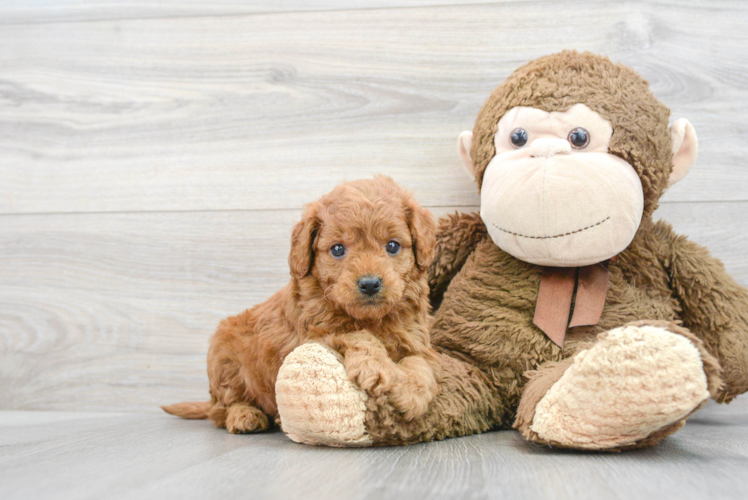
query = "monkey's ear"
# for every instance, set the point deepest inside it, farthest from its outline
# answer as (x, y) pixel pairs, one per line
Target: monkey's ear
(301, 257)
(685, 148)
(464, 143)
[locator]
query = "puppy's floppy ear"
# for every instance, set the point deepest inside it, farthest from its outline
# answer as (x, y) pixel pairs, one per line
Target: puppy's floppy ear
(301, 257)
(422, 227)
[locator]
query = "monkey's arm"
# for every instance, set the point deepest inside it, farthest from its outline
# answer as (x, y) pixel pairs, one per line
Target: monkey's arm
(456, 238)
(715, 307)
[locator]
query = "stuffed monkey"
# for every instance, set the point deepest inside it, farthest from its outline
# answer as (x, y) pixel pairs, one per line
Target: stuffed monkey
(564, 311)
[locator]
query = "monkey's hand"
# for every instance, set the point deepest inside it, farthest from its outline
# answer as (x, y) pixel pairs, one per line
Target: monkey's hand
(715, 307)
(456, 237)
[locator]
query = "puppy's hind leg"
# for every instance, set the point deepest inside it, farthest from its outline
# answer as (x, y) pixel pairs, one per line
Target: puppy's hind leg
(230, 398)
(243, 418)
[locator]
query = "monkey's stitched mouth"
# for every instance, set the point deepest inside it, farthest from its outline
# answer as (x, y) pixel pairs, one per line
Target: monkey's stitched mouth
(554, 236)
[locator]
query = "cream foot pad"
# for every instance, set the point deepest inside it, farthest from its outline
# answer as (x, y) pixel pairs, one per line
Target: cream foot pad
(316, 401)
(633, 382)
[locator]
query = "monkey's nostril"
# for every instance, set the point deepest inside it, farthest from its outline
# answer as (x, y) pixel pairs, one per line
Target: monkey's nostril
(549, 147)
(369, 285)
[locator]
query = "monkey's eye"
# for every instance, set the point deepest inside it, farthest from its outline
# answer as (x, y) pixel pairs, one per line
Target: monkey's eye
(519, 137)
(393, 247)
(337, 250)
(579, 138)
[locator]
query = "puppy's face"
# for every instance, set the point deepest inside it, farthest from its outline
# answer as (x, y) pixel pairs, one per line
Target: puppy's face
(363, 259)
(369, 241)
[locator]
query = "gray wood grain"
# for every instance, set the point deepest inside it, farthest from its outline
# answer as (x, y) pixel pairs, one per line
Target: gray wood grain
(113, 312)
(154, 155)
(268, 112)
(81, 455)
(43, 11)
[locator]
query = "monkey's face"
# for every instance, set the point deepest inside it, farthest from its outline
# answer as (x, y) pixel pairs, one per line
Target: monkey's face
(553, 195)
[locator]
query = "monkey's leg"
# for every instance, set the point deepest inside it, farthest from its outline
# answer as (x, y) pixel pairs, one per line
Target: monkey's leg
(319, 405)
(636, 385)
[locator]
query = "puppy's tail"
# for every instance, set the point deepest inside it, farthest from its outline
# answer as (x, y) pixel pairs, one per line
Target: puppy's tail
(192, 410)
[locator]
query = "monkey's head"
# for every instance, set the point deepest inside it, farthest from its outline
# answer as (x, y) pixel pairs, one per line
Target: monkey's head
(570, 153)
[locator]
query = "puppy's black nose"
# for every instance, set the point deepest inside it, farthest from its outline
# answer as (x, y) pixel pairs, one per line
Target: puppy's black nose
(369, 285)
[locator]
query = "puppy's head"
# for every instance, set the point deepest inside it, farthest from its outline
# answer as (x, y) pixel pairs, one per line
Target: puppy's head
(367, 244)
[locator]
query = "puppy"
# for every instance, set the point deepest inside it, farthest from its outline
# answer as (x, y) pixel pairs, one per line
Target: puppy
(359, 259)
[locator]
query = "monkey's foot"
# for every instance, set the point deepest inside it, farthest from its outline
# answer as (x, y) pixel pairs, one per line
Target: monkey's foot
(317, 403)
(634, 386)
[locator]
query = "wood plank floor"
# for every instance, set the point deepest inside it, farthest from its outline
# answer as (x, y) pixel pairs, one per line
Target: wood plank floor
(53, 455)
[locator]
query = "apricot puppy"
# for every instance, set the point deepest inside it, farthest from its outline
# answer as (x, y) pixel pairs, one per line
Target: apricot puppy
(358, 263)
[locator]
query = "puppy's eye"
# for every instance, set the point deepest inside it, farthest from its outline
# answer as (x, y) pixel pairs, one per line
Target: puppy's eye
(518, 137)
(337, 250)
(579, 138)
(393, 247)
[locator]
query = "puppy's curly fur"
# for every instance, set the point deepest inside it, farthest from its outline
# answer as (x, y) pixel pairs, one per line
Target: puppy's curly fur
(383, 337)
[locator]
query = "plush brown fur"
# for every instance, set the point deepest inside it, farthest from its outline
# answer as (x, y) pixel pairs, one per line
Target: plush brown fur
(384, 338)
(484, 327)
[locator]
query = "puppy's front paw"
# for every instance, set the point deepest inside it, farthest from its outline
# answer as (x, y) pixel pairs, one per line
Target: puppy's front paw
(414, 389)
(373, 374)
(412, 404)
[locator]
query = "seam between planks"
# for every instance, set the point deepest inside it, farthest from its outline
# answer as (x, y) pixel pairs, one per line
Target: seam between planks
(293, 209)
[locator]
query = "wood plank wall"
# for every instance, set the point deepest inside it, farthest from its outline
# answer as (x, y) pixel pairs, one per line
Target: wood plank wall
(154, 155)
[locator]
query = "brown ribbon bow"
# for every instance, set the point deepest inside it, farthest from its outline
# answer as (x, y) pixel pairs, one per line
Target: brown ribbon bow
(555, 295)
